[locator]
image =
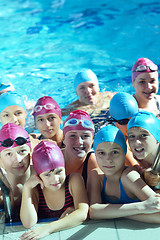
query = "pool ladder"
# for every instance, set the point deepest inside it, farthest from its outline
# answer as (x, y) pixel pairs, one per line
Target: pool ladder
(156, 164)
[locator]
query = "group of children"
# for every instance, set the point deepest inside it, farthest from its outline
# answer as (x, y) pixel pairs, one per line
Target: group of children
(71, 174)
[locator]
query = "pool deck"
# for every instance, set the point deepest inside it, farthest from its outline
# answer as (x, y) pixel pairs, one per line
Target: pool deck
(118, 229)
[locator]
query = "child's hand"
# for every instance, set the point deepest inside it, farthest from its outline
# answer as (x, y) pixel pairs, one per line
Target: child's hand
(36, 233)
(150, 178)
(152, 204)
(33, 181)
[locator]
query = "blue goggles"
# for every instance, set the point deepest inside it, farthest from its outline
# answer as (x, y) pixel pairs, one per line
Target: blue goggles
(74, 122)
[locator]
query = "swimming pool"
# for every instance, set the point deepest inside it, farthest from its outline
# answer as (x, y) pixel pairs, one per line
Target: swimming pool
(44, 43)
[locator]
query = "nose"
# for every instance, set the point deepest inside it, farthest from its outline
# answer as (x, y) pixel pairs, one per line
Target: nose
(149, 85)
(88, 90)
(14, 119)
(47, 123)
(18, 158)
(138, 141)
(108, 158)
(79, 140)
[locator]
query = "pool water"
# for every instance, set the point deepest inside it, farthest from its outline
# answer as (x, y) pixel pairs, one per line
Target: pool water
(44, 43)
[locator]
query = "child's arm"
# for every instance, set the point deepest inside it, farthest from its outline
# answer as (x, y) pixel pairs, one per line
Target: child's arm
(29, 204)
(79, 194)
(108, 211)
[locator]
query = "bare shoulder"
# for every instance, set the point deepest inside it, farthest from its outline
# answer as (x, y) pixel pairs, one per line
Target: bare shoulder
(71, 107)
(109, 94)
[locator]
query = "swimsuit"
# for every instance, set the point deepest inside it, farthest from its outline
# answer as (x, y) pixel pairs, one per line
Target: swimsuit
(45, 212)
(124, 198)
(158, 107)
(85, 167)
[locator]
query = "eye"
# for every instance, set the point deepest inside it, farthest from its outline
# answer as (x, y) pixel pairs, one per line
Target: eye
(8, 154)
(58, 171)
(131, 137)
(81, 88)
(143, 135)
(51, 118)
(153, 81)
(142, 82)
(40, 120)
(115, 152)
(101, 153)
(72, 136)
(85, 136)
(6, 115)
(47, 174)
(23, 151)
(18, 113)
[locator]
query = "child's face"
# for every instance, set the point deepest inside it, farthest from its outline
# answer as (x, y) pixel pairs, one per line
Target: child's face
(87, 92)
(78, 142)
(142, 143)
(48, 124)
(110, 157)
(16, 160)
(146, 85)
(53, 179)
(13, 114)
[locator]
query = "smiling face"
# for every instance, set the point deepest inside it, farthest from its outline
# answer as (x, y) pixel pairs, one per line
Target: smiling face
(16, 160)
(110, 158)
(143, 144)
(146, 86)
(13, 114)
(78, 142)
(53, 179)
(88, 92)
(48, 124)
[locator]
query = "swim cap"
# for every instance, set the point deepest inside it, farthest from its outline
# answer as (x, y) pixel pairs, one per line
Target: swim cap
(13, 131)
(122, 106)
(147, 121)
(46, 157)
(84, 76)
(146, 62)
(110, 133)
(46, 104)
(11, 98)
(78, 120)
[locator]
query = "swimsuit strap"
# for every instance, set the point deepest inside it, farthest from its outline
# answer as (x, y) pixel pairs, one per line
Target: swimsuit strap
(85, 167)
(157, 103)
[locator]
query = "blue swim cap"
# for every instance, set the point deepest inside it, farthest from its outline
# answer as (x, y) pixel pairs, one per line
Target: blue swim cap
(110, 133)
(84, 76)
(148, 121)
(122, 106)
(11, 98)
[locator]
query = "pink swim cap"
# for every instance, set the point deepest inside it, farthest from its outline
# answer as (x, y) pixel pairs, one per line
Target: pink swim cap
(46, 157)
(78, 120)
(46, 104)
(151, 67)
(12, 135)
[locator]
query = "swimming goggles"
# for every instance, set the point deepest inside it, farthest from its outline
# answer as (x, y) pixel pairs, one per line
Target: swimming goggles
(143, 68)
(122, 121)
(74, 122)
(48, 106)
(9, 142)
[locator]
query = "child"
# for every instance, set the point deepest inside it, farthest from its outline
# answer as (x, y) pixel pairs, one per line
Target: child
(145, 83)
(47, 117)
(113, 192)
(122, 107)
(15, 151)
(90, 99)
(144, 138)
(52, 194)
(13, 110)
(78, 132)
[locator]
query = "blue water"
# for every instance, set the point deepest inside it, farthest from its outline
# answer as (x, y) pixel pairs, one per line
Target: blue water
(43, 43)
